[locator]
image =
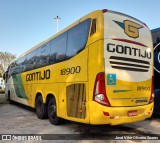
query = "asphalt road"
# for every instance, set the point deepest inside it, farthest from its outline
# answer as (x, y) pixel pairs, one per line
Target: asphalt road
(18, 119)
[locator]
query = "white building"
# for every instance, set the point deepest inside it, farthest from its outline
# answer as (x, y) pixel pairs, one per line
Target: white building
(2, 84)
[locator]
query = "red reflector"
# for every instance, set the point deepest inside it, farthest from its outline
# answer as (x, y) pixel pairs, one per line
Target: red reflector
(104, 10)
(112, 117)
(132, 113)
(106, 113)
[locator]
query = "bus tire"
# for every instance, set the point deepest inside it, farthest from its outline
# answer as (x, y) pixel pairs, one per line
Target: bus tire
(41, 108)
(52, 112)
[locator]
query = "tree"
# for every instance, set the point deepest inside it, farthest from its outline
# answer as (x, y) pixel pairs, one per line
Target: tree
(5, 59)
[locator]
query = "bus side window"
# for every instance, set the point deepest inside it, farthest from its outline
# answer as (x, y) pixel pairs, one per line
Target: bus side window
(29, 61)
(13, 69)
(21, 65)
(42, 58)
(77, 38)
(93, 27)
(58, 49)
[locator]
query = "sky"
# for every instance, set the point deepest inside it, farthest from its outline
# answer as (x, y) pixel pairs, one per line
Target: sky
(25, 23)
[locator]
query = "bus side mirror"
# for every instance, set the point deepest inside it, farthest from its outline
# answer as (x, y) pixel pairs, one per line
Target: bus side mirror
(4, 76)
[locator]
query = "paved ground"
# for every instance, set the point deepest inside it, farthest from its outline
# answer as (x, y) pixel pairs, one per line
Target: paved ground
(17, 119)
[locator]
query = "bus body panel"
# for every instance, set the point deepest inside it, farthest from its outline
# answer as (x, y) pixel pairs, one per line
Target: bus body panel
(118, 115)
(60, 79)
(126, 27)
(95, 64)
(130, 93)
(128, 54)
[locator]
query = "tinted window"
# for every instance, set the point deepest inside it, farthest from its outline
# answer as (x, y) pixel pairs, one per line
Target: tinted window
(21, 64)
(58, 48)
(30, 60)
(42, 58)
(13, 69)
(77, 38)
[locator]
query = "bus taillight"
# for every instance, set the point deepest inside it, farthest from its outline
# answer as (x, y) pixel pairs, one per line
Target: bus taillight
(152, 91)
(99, 94)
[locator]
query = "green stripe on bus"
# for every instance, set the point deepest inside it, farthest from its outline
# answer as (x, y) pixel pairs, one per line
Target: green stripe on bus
(18, 85)
(117, 91)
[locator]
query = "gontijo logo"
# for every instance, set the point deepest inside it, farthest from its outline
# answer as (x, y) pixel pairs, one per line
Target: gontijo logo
(130, 28)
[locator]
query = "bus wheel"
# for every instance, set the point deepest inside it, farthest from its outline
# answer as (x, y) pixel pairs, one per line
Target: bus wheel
(52, 112)
(41, 108)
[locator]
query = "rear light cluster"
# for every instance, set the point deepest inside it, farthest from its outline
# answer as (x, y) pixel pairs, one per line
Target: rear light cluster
(99, 94)
(152, 91)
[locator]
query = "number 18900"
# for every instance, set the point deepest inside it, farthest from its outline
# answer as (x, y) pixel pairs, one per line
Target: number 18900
(143, 88)
(71, 70)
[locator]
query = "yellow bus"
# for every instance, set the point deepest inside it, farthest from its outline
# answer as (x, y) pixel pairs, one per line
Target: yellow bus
(98, 70)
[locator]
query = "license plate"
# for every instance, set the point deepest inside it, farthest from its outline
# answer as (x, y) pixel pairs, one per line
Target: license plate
(132, 113)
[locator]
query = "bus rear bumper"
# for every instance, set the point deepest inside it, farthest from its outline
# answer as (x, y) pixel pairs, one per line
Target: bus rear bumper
(118, 115)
